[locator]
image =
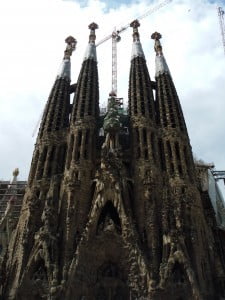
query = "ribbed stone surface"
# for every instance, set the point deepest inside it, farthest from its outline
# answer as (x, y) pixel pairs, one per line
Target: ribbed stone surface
(169, 111)
(56, 113)
(86, 98)
(141, 102)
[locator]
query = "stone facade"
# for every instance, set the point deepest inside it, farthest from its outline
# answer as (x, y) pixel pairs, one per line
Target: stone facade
(117, 215)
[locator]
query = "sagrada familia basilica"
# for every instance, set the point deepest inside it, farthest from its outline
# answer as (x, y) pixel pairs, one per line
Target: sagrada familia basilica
(113, 208)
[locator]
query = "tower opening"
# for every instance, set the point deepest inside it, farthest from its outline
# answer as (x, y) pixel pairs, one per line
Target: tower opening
(109, 219)
(178, 274)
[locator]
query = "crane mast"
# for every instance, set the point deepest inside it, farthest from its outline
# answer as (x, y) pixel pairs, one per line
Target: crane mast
(115, 40)
(222, 28)
(114, 66)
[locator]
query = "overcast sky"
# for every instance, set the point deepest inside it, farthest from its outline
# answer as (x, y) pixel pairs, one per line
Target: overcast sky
(32, 44)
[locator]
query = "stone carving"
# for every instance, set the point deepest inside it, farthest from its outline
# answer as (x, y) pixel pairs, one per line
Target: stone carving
(116, 216)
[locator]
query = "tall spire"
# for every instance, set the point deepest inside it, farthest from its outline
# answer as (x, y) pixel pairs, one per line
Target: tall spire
(136, 48)
(82, 142)
(55, 119)
(64, 70)
(160, 62)
(56, 114)
(167, 102)
(143, 146)
(91, 48)
(141, 102)
(178, 156)
(86, 96)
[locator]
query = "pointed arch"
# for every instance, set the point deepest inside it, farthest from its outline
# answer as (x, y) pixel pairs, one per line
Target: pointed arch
(109, 219)
(179, 278)
(38, 276)
(178, 274)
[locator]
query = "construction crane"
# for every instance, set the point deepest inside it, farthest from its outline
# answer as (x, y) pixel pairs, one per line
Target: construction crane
(222, 27)
(115, 36)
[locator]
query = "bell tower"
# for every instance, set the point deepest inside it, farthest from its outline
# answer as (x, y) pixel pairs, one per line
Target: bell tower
(117, 215)
(31, 254)
(145, 162)
(81, 155)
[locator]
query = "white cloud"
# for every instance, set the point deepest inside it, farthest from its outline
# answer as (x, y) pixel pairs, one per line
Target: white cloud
(32, 38)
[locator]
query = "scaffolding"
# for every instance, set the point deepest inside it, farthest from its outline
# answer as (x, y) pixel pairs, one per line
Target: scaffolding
(11, 193)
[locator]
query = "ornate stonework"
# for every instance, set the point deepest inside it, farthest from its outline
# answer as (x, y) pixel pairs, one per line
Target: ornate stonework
(119, 215)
